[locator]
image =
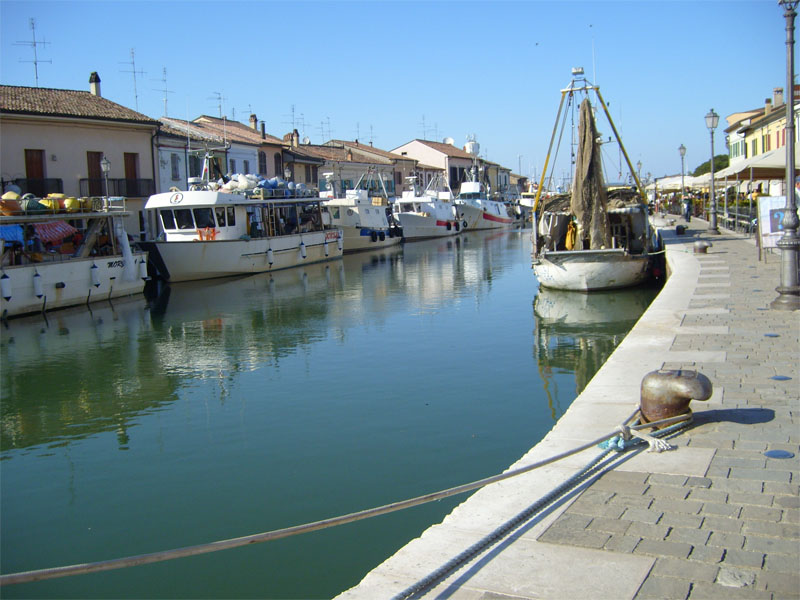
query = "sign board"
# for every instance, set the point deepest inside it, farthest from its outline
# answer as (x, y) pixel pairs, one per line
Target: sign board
(770, 216)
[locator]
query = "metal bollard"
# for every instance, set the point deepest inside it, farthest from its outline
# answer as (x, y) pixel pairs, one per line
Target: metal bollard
(702, 246)
(666, 393)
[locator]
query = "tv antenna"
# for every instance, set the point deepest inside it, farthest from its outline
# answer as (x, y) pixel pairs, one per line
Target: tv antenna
(34, 44)
(220, 98)
(165, 90)
(134, 71)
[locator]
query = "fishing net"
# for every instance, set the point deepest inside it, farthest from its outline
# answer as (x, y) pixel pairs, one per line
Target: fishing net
(588, 202)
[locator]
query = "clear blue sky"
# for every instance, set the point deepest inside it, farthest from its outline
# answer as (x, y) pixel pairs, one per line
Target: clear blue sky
(379, 70)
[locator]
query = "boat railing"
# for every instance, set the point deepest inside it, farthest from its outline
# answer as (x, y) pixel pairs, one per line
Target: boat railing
(58, 205)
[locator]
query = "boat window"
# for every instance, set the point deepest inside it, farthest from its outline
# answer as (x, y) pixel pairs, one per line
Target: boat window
(220, 212)
(167, 219)
(204, 217)
(183, 217)
(231, 216)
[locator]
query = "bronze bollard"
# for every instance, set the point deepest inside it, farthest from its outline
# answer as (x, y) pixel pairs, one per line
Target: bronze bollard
(666, 393)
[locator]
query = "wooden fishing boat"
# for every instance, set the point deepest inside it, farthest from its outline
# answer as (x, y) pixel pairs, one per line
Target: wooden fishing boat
(596, 238)
(55, 254)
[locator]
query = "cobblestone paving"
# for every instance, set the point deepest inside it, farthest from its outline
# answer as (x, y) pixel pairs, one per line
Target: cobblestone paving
(734, 533)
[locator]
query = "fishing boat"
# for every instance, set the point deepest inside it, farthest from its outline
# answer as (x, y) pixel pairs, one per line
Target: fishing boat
(57, 252)
(208, 232)
(363, 214)
(593, 238)
(428, 213)
(474, 207)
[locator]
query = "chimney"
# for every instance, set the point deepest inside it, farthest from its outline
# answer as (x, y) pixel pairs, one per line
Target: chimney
(777, 96)
(263, 130)
(767, 106)
(295, 139)
(254, 122)
(94, 84)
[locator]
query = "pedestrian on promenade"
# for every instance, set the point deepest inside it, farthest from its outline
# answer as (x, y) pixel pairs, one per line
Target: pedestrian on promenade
(687, 209)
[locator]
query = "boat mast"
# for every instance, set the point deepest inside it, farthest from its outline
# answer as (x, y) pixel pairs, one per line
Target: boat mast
(621, 147)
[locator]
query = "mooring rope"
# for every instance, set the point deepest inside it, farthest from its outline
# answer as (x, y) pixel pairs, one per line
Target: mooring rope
(597, 465)
(143, 559)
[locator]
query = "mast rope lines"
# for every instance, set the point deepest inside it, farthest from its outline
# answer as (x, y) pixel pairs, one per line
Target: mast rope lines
(670, 426)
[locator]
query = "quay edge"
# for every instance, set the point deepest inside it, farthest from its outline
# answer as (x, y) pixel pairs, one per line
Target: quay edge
(656, 525)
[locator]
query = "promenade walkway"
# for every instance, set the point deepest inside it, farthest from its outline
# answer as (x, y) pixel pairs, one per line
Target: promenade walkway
(715, 518)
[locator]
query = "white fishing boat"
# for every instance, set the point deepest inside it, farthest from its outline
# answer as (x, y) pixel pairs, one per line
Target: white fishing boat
(58, 252)
(595, 238)
(474, 208)
(429, 213)
(209, 233)
(364, 219)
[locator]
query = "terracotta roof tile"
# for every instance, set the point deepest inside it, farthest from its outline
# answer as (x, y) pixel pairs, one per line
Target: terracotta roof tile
(65, 103)
(447, 149)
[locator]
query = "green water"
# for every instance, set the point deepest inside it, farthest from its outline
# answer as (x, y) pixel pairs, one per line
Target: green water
(238, 406)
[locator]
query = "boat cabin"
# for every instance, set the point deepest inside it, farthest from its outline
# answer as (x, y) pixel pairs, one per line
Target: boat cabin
(214, 215)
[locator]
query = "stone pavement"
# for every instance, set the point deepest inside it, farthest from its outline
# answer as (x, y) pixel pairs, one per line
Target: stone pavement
(715, 518)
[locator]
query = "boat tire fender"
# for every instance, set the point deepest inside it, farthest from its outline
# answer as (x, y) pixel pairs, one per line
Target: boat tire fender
(382, 236)
(374, 236)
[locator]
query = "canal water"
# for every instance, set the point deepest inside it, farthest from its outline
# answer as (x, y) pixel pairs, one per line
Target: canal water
(231, 407)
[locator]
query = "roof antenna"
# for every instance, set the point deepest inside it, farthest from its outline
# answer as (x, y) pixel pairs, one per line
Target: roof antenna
(165, 90)
(134, 71)
(34, 45)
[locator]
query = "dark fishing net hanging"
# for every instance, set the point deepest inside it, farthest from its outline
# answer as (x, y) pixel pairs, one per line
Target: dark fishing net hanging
(589, 203)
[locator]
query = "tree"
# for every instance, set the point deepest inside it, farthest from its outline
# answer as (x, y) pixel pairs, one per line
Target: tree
(720, 162)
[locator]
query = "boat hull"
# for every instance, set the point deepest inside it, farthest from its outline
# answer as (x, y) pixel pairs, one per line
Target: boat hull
(478, 217)
(357, 239)
(417, 226)
(590, 270)
(68, 283)
(195, 260)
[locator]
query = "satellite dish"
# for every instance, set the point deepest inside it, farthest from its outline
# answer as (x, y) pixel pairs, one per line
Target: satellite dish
(306, 141)
(449, 140)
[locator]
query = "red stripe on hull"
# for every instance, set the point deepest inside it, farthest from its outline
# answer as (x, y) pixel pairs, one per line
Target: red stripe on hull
(496, 219)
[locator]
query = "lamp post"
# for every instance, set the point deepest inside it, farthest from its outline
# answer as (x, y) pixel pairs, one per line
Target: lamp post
(105, 167)
(682, 152)
(789, 290)
(287, 172)
(712, 120)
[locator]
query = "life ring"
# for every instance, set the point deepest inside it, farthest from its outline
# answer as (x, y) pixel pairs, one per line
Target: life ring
(374, 236)
(464, 224)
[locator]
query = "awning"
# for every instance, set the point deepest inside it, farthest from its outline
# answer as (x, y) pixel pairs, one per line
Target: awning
(54, 231)
(769, 165)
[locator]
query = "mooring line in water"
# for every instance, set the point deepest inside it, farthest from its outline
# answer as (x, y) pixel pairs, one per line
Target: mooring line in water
(143, 559)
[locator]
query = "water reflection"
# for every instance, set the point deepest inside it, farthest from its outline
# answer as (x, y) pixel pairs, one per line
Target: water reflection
(285, 398)
(576, 333)
(77, 372)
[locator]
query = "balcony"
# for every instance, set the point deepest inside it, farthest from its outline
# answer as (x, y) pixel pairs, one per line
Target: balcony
(130, 188)
(38, 187)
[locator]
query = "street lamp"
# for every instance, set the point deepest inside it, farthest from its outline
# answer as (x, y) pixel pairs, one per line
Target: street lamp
(105, 167)
(287, 172)
(789, 290)
(682, 152)
(712, 119)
